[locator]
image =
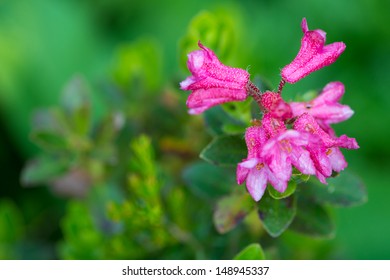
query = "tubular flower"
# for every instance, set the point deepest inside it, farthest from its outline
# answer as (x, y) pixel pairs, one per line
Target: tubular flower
(324, 149)
(212, 83)
(254, 169)
(288, 149)
(326, 108)
(312, 56)
(273, 103)
(285, 148)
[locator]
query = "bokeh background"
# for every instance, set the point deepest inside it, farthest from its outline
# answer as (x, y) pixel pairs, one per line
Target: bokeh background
(44, 43)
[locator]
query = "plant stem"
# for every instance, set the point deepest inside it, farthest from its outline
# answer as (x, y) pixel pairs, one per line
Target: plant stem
(254, 91)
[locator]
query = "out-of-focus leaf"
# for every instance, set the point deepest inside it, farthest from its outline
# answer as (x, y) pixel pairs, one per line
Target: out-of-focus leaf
(219, 122)
(12, 230)
(208, 180)
(74, 183)
(50, 120)
(49, 140)
(227, 150)
(312, 219)
(289, 191)
(307, 96)
(76, 102)
(344, 190)
(11, 222)
(108, 128)
(139, 61)
(42, 170)
(239, 110)
(231, 210)
(276, 214)
(83, 240)
(251, 252)
(214, 30)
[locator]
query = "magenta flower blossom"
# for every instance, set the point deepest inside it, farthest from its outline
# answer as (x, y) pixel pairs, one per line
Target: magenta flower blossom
(273, 103)
(254, 169)
(285, 148)
(312, 56)
(324, 149)
(289, 135)
(288, 149)
(325, 108)
(212, 83)
(273, 126)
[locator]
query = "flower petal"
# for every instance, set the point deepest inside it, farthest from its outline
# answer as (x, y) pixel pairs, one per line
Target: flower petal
(256, 183)
(201, 99)
(337, 160)
(312, 55)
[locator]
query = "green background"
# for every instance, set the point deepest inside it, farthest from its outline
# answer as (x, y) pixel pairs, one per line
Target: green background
(44, 43)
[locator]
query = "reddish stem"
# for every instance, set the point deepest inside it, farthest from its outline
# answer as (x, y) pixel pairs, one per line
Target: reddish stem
(254, 91)
(281, 85)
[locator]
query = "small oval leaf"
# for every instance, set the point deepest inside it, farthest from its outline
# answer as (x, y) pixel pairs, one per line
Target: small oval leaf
(42, 170)
(231, 210)
(276, 214)
(344, 190)
(209, 181)
(251, 252)
(312, 219)
(226, 150)
(291, 187)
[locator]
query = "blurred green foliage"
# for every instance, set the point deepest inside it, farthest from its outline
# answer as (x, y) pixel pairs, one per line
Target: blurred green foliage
(95, 75)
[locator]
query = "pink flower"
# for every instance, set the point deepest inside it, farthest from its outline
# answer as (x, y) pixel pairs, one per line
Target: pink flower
(288, 149)
(312, 56)
(212, 83)
(274, 104)
(325, 108)
(254, 170)
(324, 148)
(285, 148)
(272, 126)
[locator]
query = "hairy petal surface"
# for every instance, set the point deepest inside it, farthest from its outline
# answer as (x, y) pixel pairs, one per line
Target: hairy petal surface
(313, 54)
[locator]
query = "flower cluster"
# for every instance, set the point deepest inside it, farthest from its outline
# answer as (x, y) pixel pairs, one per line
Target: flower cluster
(291, 134)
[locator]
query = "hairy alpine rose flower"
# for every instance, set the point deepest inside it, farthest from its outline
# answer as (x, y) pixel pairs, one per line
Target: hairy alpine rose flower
(272, 126)
(326, 108)
(312, 56)
(212, 83)
(285, 148)
(255, 170)
(288, 149)
(324, 149)
(273, 103)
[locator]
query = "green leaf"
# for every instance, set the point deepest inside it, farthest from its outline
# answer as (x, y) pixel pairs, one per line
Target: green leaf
(82, 238)
(76, 102)
(239, 110)
(251, 252)
(344, 190)
(42, 170)
(11, 222)
(139, 61)
(219, 122)
(312, 219)
(209, 181)
(231, 210)
(49, 140)
(12, 230)
(276, 214)
(227, 150)
(289, 191)
(214, 30)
